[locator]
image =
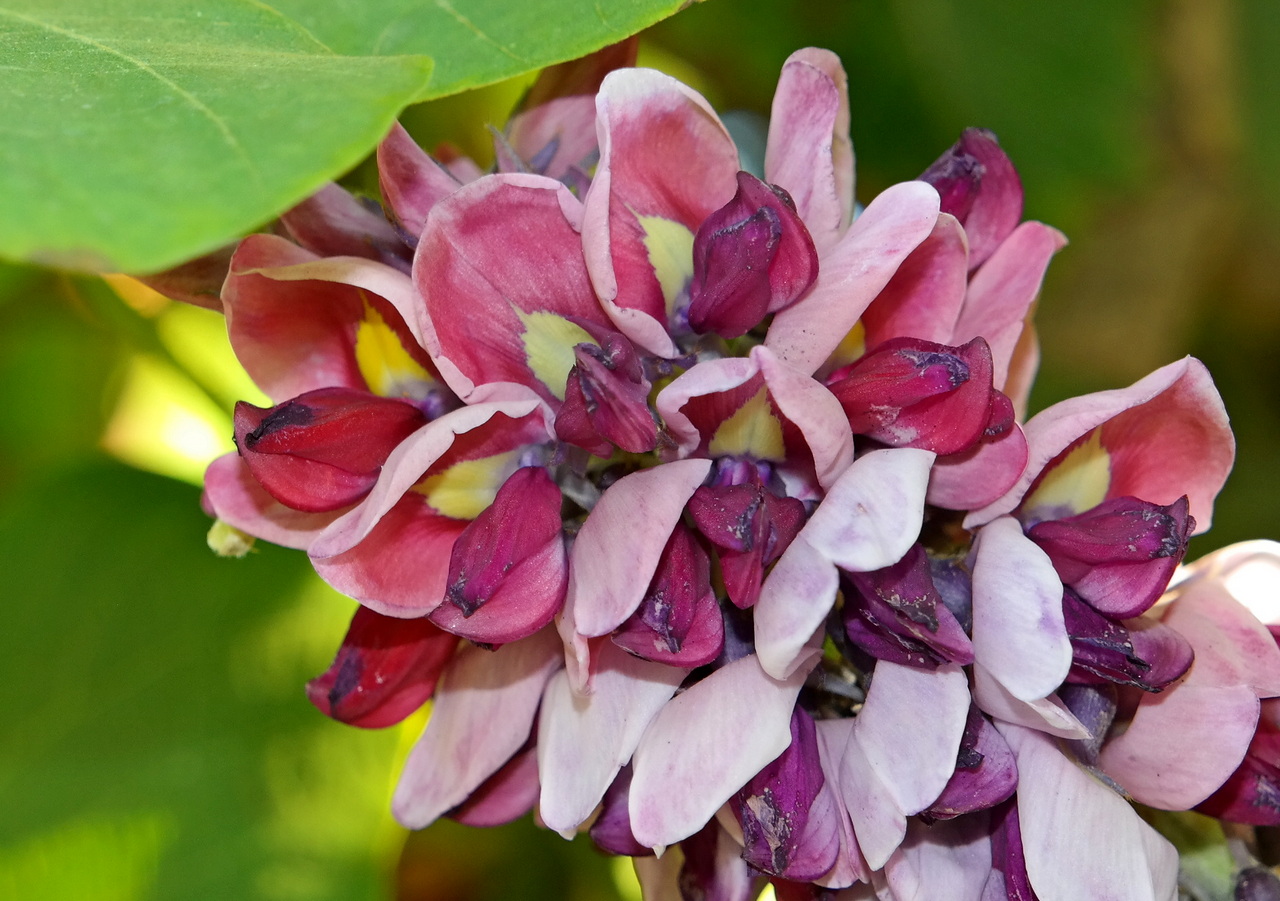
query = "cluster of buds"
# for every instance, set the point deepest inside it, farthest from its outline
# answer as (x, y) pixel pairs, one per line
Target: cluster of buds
(703, 507)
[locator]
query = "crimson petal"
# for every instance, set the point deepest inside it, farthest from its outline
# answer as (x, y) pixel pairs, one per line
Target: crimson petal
(385, 670)
(979, 186)
(1145, 653)
(324, 449)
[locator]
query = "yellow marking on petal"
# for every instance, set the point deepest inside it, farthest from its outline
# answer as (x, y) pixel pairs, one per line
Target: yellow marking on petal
(466, 489)
(752, 431)
(851, 347)
(387, 367)
(1079, 481)
(670, 248)
(549, 340)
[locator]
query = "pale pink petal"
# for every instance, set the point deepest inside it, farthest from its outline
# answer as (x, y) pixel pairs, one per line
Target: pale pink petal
(483, 710)
(707, 378)
(663, 153)
(1048, 715)
(1002, 291)
(411, 181)
(507, 795)
(1167, 435)
(1183, 743)
(980, 475)
(914, 764)
(685, 769)
(617, 550)
(1080, 838)
(872, 513)
(1022, 370)
(809, 153)
(413, 457)
(813, 410)
(833, 737)
(583, 740)
(493, 255)
(1019, 632)
(794, 602)
(867, 521)
(1248, 570)
(555, 136)
(853, 273)
(238, 499)
(878, 822)
(923, 298)
(946, 861)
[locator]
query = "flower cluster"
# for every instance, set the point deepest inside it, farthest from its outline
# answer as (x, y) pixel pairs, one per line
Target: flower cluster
(703, 507)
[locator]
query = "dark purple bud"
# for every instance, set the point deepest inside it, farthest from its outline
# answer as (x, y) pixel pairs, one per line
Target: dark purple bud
(385, 670)
(507, 795)
(896, 614)
(979, 186)
(750, 527)
(1144, 653)
(751, 257)
(508, 572)
(774, 808)
(324, 449)
(679, 621)
(1095, 707)
(911, 393)
(713, 868)
(986, 772)
(611, 830)
(1257, 884)
(606, 401)
(1120, 555)
(1007, 855)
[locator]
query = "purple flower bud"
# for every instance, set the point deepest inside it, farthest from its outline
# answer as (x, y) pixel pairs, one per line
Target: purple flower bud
(679, 621)
(979, 186)
(324, 449)
(1095, 707)
(1007, 855)
(986, 772)
(750, 527)
(385, 670)
(508, 572)
(1145, 653)
(1120, 555)
(751, 257)
(897, 614)
(911, 393)
(611, 830)
(773, 809)
(606, 401)
(1252, 793)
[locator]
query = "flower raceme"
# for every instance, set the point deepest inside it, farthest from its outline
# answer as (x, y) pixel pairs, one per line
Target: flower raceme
(707, 515)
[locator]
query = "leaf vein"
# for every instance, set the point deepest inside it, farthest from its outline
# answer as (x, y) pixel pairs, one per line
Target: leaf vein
(474, 29)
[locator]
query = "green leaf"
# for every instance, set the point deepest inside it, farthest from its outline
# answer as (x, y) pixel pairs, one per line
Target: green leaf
(135, 134)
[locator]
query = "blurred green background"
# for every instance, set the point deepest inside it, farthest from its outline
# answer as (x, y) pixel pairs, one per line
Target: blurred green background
(157, 743)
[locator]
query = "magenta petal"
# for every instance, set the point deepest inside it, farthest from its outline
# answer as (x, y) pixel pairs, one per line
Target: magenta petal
(611, 830)
(646, 121)
(484, 707)
(981, 474)
(853, 273)
(1019, 635)
(1166, 435)
(1250, 794)
(684, 768)
(980, 187)
(998, 303)
(324, 449)
(583, 740)
(713, 869)
(497, 258)
(237, 498)
(333, 223)
(507, 795)
(985, 775)
(508, 569)
(924, 297)
(385, 670)
(1067, 816)
(411, 181)
(606, 401)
